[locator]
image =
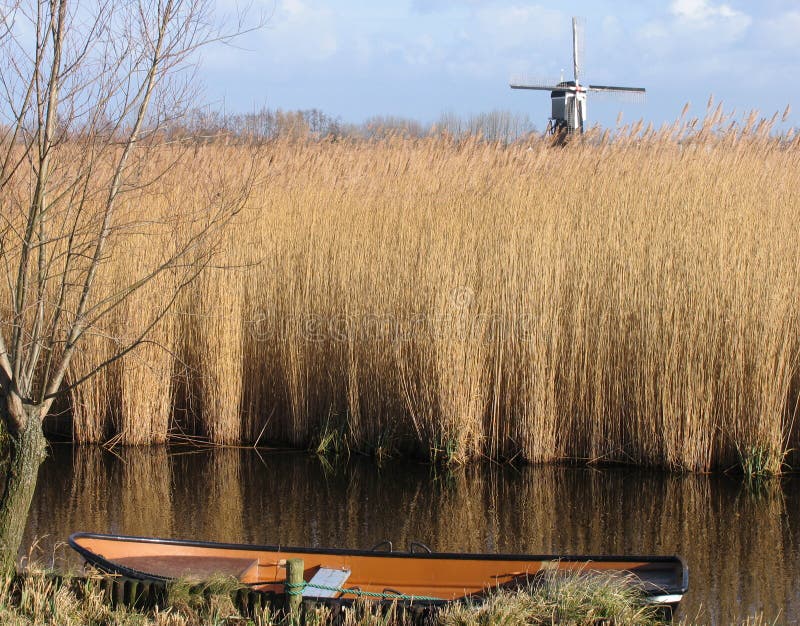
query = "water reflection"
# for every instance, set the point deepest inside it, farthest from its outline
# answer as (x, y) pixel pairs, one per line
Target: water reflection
(741, 544)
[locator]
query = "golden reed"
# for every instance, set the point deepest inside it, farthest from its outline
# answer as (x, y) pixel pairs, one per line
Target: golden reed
(615, 300)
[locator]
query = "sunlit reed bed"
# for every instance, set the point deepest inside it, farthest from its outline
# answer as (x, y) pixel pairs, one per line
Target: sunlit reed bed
(630, 300)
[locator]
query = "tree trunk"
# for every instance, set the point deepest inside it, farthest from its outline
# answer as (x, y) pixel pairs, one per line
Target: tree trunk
(27, 454)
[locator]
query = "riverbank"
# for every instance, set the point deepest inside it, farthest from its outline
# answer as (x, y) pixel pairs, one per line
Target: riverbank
(41, 599)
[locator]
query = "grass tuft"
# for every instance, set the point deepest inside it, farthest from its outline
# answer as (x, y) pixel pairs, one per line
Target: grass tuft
(757, 462)
(573, 599)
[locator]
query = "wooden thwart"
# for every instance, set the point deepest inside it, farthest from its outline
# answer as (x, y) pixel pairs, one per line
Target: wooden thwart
(326, 577)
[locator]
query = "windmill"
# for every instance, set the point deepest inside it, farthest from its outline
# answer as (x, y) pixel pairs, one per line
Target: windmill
(569, 97)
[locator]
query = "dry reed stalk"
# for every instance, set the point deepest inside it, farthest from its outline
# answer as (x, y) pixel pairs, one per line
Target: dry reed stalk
(94, 403)
(91, 403)
(216, 352)
(143, 417)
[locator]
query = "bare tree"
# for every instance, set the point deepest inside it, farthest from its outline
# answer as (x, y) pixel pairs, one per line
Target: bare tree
(381, 126)
(84, 92)
(502, 126)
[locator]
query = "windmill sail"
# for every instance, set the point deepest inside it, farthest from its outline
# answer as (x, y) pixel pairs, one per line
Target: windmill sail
(577, 46)
(613, 88)
(533, 82)
(629, 94)
(542, 87)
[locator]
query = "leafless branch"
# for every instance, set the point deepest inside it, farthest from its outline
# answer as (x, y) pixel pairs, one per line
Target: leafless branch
(86, 92)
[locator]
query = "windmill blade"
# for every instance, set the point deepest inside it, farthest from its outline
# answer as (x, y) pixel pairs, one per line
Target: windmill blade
(542, 87)
(632, 94)
(615, 88)
(577, 46)
(524, 82)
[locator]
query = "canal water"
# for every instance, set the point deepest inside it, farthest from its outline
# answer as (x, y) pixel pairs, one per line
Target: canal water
(742, 543)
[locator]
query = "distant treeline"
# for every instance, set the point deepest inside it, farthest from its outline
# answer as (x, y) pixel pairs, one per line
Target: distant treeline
(266, 124)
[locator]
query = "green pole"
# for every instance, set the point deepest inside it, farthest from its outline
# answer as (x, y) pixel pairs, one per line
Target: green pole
(294, 588)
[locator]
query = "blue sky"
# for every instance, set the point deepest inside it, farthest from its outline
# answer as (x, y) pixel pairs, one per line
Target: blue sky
(419, 58)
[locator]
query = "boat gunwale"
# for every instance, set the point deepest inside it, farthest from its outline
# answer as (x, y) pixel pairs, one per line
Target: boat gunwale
(126, 571)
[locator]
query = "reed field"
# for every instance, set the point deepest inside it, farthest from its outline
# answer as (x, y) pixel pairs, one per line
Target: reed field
(630, 299)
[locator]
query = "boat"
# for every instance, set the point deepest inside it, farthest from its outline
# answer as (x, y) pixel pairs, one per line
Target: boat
(417, 575)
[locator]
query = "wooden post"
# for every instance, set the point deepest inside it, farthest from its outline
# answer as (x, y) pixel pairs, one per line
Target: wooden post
(294, 589)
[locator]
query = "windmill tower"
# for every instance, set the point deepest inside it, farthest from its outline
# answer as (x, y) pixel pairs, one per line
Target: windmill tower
(568, 98)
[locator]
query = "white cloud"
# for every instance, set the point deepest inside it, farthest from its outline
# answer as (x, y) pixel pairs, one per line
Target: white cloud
(657, 32)
(434, 6)
(516, 39)
(702, 14)
(301, 31)
(362, 49)
(520, 25)
(696, 30)
(480, 39)
(611, 29)
(781, 30)
(297, 34)
(421, 50)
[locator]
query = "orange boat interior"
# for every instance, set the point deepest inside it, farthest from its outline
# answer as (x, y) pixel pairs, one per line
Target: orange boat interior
(440, 576)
